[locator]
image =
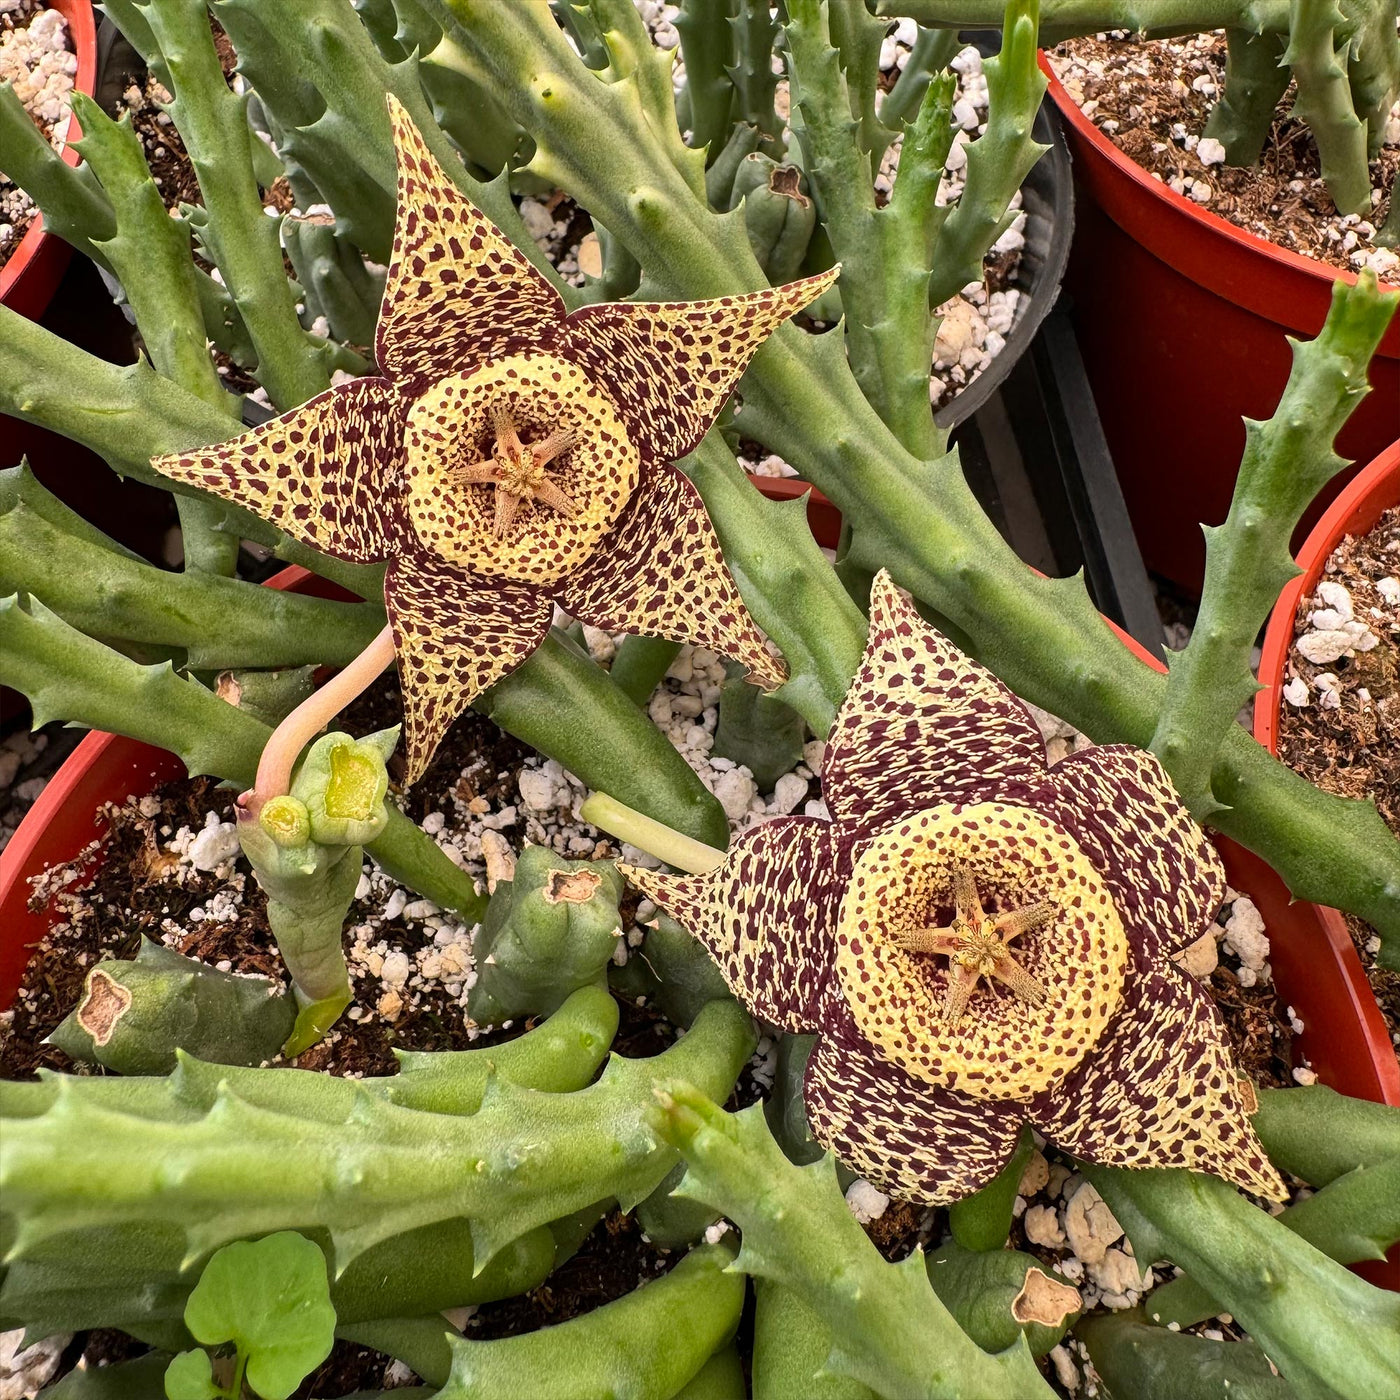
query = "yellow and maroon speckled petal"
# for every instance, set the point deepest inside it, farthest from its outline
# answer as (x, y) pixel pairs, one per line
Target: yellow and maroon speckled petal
(911, 1140)
(329, 473)
(453, 638)
(765, 915)
(458, 291)
(1160, 1090)
(671, 365)
(922, 725)
(660, 573)
(1166, 876)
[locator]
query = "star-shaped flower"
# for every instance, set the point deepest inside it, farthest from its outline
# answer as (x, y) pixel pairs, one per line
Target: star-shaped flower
(889, 931)
(512, 457)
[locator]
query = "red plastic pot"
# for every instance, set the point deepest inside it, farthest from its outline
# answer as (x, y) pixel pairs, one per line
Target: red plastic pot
(28, 280)
(1315, 971)
(1181, 318)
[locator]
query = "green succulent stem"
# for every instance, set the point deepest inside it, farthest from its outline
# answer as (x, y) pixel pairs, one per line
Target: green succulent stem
(982, 1221)
(650, 1342)
(1319, 1135)
(220, 623)
(1287, 460)
(362, 1174)
(1316, 1321)
(707, 48)
(888, 1328)
(1356, 1217)
(1255, 80)
(1318, 43)
(1000, 159)
(933, 51)
(239, 236)
(646, 834)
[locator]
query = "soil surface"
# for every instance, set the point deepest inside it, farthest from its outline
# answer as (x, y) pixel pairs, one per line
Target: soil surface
(1152, 99)
(1345, 736)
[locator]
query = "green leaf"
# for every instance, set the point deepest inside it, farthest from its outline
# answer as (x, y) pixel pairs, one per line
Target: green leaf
(190, 1376)
(271, 1298)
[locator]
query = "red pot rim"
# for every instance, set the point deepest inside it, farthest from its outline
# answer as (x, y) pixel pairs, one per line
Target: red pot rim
(1361, 503)
(82, 30)
(1210, 250)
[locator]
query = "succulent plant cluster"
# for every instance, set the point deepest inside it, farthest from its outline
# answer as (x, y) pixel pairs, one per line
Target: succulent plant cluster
(464, 440)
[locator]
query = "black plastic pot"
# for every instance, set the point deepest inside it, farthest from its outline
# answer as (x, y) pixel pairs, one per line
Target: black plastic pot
(1047, 196)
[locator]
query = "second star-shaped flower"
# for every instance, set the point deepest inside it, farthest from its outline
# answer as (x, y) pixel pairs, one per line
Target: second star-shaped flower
(979, 939)
(512, 457)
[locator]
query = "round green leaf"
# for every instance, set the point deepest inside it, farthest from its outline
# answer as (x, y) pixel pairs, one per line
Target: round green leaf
(271, 1298)
(190, 1377)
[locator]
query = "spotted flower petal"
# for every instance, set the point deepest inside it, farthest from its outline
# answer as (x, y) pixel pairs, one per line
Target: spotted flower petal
(671, 365)
(765, 914)
(1160, 1091)
(661, 573)
(330, 473)
(458, 291)
(922, 724)
(453, 638)
(1166, 875)
(909, 1139)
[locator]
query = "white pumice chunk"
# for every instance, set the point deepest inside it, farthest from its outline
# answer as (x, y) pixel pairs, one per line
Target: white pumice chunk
(867, 1203)
(216, 845)
(1245, 935)
(1296, 692)
(1333, 595)
(1042, 1227)
(1322, 647)
(1303, 1075)
(397, 903)
(1090, 1225)
(395, 969)
(1389, 589)
(788, 792)
(1210, 151)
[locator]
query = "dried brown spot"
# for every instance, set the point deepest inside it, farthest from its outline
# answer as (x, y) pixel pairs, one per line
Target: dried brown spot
(1044, 1300)
(104, 1004)
(571, 886)
(228, 689)
(1249, 1098)
(787, 180)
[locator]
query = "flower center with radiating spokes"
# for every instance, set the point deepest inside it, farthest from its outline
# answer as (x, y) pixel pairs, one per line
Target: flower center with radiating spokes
(977, 946)
(924, 949)
(519, 469)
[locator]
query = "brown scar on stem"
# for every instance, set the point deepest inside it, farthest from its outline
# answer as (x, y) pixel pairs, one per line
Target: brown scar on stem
(1249, 1096)
(104, 1003)
(571, 886)
(786, 180)
(1044, 1300)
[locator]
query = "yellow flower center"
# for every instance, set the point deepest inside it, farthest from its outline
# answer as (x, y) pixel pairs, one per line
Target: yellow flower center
(519, 469)
(924, 949)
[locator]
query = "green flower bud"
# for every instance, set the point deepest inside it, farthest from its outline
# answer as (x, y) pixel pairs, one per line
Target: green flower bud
(343, 782)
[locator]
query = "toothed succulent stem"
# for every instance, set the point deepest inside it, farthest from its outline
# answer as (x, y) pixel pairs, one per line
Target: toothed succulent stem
(46, 550)
(1287, 460)
(1317, 49)
(755, 83)
(549, 930)
(650, 1342)
(239, 236)
(1314, 1319)
(790, 1349)
(858, 37)
(364, 1172)
(707, 49)
(311, 716)
(334, 279)
(933, 50)
(134, 1016)
(1000, 159)
(681, 852)
(889, 1329)
(1256, 77)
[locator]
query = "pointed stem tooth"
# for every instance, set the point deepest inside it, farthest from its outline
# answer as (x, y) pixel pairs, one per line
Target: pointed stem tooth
(1020, 981)
(1020, 921)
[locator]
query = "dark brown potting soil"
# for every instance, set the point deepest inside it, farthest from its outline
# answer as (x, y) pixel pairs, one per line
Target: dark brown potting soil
(1352, 748)
(1152, 96)
(1261, 1035)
